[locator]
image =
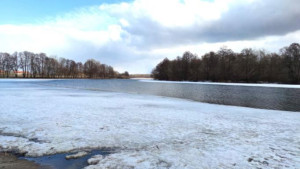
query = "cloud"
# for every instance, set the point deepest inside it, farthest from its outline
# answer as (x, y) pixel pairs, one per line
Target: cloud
(134, 36)
(195, 21)
(254, 20)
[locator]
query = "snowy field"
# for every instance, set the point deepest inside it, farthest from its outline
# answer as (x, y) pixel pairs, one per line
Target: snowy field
(146, 131)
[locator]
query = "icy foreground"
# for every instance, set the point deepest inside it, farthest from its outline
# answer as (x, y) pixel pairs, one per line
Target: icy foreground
(148, 131)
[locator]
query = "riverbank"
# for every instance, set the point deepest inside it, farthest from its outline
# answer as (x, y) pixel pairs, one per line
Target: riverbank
(10, 161)
(147, 131)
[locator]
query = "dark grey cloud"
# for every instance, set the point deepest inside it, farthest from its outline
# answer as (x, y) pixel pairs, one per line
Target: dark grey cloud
(243, 21)
(264, 18)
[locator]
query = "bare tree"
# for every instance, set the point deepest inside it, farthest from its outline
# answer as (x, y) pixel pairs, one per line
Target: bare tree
(91, 68)
(291, 56)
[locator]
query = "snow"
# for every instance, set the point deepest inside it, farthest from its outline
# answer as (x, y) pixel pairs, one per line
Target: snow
(142, 78)
(25, 80)
(76, 155)
(145, 131)
(226, 84)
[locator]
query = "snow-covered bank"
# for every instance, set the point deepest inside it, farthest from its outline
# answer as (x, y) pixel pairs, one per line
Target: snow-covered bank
(226, 84)
(142, 78)
(149, 131)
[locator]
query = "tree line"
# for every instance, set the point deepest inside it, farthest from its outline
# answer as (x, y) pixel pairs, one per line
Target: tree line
(227, 66)
(31, 65)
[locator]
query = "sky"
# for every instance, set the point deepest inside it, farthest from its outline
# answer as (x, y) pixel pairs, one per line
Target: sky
(135, 35)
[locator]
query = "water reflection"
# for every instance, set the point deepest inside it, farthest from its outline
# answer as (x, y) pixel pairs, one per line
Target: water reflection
(247, 96)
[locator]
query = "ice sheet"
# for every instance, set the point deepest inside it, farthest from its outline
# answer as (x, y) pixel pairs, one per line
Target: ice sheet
(147, 131)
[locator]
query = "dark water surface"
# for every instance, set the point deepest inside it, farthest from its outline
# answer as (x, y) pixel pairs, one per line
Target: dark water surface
(58, 161)
(276, 98)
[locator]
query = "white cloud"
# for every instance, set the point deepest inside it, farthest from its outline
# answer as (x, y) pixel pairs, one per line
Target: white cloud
(135, 36)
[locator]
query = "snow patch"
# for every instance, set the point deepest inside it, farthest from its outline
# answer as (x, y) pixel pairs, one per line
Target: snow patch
(77, 155)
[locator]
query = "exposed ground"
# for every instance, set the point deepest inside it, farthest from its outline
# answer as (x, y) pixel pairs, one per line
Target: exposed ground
(9, 161)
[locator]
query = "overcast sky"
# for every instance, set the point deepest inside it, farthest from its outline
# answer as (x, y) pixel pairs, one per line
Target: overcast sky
(136, 35)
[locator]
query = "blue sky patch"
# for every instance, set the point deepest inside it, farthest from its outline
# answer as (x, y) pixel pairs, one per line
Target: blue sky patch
(30, 11)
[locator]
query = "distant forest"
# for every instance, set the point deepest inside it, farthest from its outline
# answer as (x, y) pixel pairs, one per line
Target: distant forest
(227, 66)
(31, 65)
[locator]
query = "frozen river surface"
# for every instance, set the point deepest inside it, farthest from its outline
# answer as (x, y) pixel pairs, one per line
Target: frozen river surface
(145, 131)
